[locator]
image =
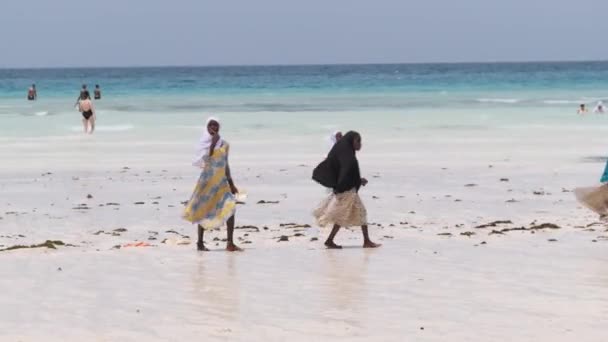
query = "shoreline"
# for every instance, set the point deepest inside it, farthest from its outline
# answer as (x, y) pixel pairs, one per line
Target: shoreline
(423, 289)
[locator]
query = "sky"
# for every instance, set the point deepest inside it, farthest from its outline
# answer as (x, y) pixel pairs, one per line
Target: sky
(70, 33)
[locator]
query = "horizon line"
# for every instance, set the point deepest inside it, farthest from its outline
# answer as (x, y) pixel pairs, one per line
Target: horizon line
(302, 64)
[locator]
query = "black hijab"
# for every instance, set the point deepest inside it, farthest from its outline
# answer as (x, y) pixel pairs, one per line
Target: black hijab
(340, 171)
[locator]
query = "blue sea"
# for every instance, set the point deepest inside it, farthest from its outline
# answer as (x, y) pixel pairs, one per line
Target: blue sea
(415, 95)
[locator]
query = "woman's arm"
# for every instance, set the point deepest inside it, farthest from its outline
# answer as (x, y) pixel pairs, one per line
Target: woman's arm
(228, 175)
(214, 140)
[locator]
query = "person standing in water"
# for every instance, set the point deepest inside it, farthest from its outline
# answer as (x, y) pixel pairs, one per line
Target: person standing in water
(599, 108)
(82, 91)
(32, 94)
(582, 109)
(343, 208)
(97, 93)
(213, 202)
(85, 106)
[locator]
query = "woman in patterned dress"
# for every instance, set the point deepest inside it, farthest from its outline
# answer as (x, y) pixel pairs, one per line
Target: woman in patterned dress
(343, 207)
(213, 201)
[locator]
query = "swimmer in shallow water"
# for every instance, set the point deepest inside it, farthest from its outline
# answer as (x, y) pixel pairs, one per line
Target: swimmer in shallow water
(97, 92)
(85, 106)
(582, 109)
(32, 95)
(599, 108)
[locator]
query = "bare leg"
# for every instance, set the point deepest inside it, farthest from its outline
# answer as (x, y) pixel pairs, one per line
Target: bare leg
(230, 246)
(92, 124)
(367, 243)
(85, 125)
(329, 243)
(200, 245)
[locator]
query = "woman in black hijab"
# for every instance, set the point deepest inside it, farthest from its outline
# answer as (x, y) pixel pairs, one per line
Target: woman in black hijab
(343, 208)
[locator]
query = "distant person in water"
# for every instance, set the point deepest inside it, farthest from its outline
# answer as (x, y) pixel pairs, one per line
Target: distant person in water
(97, 93)
(582, 109)
(32, 95)
(85, 106)
(599, 108)
(343, 207)
(83, 90)
(213, 202)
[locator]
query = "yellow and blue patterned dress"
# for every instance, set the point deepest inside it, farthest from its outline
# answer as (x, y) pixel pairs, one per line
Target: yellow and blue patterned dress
(212, 203)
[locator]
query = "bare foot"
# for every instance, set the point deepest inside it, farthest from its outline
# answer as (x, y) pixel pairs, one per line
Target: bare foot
(233, 248)
(332, 245)
(201, 247)
(369, 244)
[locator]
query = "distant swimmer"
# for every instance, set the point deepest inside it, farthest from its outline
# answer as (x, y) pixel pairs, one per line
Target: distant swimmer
(599, 108)
(582, 109)
(97, 93)
(82, 91)
(85, 106)
(32, 95)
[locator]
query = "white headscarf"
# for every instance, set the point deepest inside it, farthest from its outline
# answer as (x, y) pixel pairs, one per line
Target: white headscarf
(204, 143)
(333, 140)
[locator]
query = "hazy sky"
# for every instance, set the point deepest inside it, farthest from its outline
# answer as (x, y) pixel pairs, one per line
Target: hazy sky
(40, 33)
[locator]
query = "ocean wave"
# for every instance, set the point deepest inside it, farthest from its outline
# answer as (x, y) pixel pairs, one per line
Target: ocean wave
(594, 159)
(124, 108)
(185, 107)
(484, 100)
(592, 99)
(110, 128)
(556, 102)
(459, 127)
(38, 113)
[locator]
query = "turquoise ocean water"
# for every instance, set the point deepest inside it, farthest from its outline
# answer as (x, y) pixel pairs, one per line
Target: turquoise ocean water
(292, 98)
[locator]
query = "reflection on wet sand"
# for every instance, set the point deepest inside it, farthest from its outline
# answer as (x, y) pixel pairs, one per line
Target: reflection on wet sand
(345, 296)
(216, 285)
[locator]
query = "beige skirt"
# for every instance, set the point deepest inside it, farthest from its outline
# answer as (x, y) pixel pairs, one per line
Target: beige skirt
(345, 209)
(594, 198)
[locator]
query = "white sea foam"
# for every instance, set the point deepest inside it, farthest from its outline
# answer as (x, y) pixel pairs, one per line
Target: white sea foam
(485, 100)
(553, 102)
(110, 128)
(42, 113)
(593, 99)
